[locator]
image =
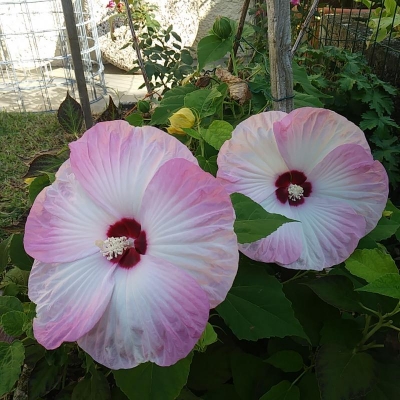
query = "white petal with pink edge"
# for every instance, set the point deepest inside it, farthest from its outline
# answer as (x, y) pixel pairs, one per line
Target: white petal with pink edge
(306, 135)
(331, 232)
(283, 246)
(250, 160)
(114, 162)
(64, 223)
(70, 298)
(188, 218)
(157, 313)
(348, 174)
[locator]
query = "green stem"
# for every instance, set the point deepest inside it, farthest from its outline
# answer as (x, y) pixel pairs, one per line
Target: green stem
(298, 275)
(367, 324)
(234, 65)
(372, 332)
(306, 369)
(371, 346)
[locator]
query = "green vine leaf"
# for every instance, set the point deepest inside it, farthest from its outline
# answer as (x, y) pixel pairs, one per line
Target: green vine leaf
(148, 381)
(11, 359)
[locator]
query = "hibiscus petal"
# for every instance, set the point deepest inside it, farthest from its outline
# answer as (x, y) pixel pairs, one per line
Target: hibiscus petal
(188, 219)
(250, 162)
(306, 135)
(70, 298)
(348, 174)
(64, 223)
(283, 246)
(157, 313)
(331, 232)
(115, 161)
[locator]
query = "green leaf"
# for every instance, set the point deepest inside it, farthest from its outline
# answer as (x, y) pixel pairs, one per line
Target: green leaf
(18, 255)
(370, 264)
(203, 101)
(286, 360)
(386, 285)
(306, 100)
(70, 115)
(13, 323)
(252, 221)
(282, 391)
(309, 309)
(209, 370)
(224, 392)
(37, 185)
(94, 387)
(208, 337)
(211, 48)
(257, 308)
(343, 373)
(344, 332)
(208, 164)
(308, 386)
(172, 101)
(192, 132)
(9, 303)
(248, 373)
(11, 360)
(300, 77)
(337, 291)
(384, 230)
(43, 379)
(44, 163)
(5, 253)
(217, 133)
(150, 382)
(135, 119)
(111, 113)
(387, 384)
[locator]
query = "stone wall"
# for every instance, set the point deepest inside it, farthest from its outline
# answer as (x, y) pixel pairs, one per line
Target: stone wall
(191, 19)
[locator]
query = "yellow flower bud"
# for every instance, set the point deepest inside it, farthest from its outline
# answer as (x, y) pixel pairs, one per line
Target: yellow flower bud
(184, 118)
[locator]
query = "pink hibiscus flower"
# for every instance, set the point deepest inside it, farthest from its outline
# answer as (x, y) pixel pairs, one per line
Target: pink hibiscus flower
(313, 166)
(133, 244)
(295, 2)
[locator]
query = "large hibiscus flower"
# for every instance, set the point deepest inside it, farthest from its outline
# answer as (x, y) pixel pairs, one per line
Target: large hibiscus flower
(313, 166)
(133, 243)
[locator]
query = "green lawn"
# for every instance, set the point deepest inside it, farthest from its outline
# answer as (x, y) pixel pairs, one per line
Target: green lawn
(22, 136)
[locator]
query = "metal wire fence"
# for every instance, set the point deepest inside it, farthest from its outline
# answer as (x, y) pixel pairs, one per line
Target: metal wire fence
(374, 31)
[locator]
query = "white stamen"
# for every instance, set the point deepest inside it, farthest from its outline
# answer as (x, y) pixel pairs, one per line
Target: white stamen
(296, 192)
(114, 246)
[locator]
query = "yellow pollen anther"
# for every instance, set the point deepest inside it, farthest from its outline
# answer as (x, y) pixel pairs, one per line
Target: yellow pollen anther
(296, 192)
(113, 246)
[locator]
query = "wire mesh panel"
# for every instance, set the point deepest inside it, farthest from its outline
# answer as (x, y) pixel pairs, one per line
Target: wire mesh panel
(36, 67)
(374, 32)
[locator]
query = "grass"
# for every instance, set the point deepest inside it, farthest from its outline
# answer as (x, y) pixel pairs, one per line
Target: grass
(22, 136)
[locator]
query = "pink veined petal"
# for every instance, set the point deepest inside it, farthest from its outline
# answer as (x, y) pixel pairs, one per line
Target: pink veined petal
(348, 174)
(250, 162)
(70, 298)
(331, 232)
(306, 135)
(283, 246)
(64, 223)
(157, 313)
(115, 161)
(188, 219)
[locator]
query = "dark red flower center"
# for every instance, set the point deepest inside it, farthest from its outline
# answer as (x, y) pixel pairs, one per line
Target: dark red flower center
(131, 230)
(293, 187)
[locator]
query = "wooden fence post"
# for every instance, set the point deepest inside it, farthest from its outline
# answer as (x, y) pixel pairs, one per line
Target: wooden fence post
(279, 43)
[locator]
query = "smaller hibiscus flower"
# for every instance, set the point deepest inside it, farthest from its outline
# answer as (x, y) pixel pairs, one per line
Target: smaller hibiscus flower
(315, 167)
(295, 2)
(133, 244)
